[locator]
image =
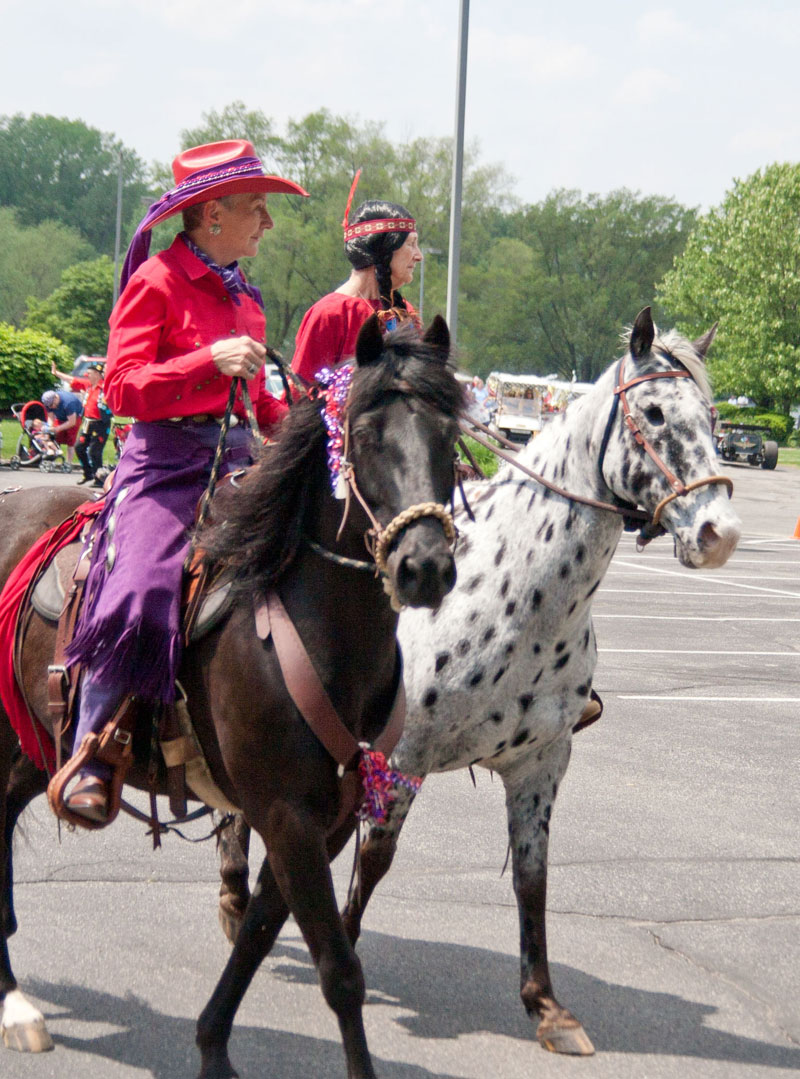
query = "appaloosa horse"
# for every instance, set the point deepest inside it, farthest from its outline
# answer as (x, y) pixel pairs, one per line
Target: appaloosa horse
(390, 434)
(500, 674)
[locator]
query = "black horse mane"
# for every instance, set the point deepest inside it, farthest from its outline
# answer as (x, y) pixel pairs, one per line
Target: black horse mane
(264, 521)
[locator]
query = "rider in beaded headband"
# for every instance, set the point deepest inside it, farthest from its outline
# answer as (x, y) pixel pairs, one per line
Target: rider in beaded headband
(376, 230)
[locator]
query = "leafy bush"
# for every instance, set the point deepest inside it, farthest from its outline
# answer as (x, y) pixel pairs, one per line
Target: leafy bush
(780, 426)
(25, 360)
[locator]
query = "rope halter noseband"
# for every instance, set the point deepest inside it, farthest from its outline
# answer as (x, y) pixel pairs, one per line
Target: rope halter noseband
(378, 540)
(679, 489)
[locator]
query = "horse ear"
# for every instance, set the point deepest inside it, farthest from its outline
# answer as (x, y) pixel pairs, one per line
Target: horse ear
(438, 335)
(642, 334)
(369, 345)
(703, 344)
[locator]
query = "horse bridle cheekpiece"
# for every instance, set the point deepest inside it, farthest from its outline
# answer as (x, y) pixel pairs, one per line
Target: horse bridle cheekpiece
(679, 489)
(337, 382)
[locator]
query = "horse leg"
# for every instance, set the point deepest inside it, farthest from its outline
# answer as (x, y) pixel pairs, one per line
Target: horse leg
(234, 891)
(529, 802)
(301, 865)
(263, 919)
(377, 855)
(25, 783)
(22, 1025)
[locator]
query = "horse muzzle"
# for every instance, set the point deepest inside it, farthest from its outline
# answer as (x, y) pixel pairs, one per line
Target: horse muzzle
(421, 566)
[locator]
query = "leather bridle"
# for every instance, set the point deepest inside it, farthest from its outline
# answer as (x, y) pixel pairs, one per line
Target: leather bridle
(651, 523)
(679, 488)
(377, 539)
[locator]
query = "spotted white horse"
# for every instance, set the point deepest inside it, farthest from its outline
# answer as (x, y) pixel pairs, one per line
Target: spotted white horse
(500, 675)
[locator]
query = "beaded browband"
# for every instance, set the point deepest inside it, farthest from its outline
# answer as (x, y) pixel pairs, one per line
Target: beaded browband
(370, 228)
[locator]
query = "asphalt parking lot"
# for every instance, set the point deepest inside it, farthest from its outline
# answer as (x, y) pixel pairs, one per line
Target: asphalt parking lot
(674, 883)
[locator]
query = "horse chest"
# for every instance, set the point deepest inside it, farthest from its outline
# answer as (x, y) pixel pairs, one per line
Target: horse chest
(507, 661)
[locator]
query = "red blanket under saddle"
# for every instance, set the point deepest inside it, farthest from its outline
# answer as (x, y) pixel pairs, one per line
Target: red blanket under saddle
(33, 738)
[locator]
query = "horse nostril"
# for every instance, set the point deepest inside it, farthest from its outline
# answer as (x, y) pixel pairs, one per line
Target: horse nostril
(708, 536)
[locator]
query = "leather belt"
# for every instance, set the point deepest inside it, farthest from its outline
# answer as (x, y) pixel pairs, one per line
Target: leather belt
(203, 417)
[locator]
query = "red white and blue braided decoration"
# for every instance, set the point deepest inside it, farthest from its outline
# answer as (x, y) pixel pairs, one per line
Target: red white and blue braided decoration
(336, 381)
(380, 786)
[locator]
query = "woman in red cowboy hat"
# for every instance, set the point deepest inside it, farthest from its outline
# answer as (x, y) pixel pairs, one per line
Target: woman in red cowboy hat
(382, 246)
(186, 323)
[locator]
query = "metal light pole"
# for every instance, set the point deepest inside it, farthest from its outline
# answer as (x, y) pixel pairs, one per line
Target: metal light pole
(118, 228)
(458, 168)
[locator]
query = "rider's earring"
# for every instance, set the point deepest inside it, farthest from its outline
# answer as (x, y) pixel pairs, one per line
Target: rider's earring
(215, 230)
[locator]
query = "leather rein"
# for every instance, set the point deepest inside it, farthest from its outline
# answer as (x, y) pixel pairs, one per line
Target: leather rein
(652, 526)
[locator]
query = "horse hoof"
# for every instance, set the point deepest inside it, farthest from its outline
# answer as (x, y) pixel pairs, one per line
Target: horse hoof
(231, 922)
(572, 1040)
(28, 1037)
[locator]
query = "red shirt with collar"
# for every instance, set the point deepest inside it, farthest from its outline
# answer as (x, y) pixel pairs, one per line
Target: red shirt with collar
(159, 352)
(91, 402)
(329, 331)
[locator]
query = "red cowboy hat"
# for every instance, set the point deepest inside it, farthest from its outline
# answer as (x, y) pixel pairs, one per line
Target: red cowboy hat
(212, 171)
(203, 173)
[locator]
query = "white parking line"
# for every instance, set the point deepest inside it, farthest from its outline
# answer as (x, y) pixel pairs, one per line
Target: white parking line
(692, 617)
(738, 700)
(710, 580)
(675, 592)
(723, 578)
(694, 652)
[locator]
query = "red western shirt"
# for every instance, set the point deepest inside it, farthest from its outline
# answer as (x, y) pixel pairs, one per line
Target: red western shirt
(159, 352)
(91, 402)
(329, 331)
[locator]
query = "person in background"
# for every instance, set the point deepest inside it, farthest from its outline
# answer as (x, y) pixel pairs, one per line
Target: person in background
(64, 416)
(382, 247)
(186, 324)
(96, 420)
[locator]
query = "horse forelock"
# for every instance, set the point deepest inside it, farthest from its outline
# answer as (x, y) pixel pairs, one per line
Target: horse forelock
(408, 362)
(675, 347)
(678, 348)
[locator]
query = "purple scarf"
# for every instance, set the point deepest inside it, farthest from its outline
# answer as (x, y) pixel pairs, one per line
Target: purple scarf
(231, 275)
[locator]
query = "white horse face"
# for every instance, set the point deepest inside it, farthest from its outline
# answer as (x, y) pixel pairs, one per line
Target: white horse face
(674, 416)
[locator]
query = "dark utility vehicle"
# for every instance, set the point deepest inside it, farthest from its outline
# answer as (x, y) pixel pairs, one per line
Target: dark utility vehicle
(746, 442)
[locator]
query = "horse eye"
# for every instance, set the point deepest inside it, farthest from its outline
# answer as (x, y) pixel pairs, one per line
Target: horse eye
(654, 415)
(364, 436)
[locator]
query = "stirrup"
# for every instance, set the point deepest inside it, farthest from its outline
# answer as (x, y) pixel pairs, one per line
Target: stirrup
(114, 747)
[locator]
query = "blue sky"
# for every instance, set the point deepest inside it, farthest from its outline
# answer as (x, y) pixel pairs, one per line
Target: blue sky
(670, 99)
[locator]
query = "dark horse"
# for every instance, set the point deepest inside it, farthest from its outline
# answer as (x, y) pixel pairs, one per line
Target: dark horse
(280, 533)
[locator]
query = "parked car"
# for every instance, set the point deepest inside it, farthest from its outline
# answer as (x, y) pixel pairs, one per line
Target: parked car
(746, 442)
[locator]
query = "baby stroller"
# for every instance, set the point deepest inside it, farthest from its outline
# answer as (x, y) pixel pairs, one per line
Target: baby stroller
(34, 448)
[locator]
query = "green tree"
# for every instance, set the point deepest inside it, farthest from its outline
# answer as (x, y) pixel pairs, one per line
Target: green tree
(25, 360)
(52, 168)
(32, 261)
(741, 266)
(581, 267)
(77, 311)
